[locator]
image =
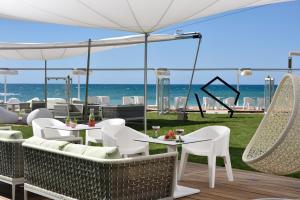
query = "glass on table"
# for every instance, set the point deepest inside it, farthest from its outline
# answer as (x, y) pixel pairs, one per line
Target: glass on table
(179, 132)
(156, 129)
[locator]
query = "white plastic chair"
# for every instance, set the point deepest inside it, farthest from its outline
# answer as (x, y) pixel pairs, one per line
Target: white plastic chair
(179, 102)
(138, 100)
(104, 100)
(95, 135)
(260, 103)
(208, 103)
(248, 103)
(127, 100)
(39, 129)
(218, 106)
(218, 146)
(123, 138)
(93, 100)
(229, 102)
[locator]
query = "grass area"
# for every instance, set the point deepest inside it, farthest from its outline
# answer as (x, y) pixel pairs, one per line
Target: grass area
(242, 126)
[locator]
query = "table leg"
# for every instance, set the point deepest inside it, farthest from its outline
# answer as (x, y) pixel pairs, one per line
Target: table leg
(76, 133)
(181, 191)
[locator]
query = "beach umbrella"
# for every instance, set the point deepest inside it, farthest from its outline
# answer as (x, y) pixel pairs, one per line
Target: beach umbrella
(6, 73)
(78, 73)
(142, 16)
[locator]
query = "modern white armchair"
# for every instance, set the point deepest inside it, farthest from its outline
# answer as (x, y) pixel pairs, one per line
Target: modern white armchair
(95, 135)
(124, 138)
(217, 147)
(39, 129)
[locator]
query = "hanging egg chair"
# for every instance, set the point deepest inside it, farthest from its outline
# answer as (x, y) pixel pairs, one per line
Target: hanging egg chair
(275, 147)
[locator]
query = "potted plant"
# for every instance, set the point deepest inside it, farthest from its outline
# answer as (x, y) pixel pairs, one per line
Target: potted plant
(68, 121)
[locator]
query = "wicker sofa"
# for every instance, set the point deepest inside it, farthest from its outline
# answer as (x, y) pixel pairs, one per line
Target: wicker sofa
(11, 159)
(63, 175)
(127, 112)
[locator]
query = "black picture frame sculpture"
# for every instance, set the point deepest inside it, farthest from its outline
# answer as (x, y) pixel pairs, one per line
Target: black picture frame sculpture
(199, 104)
(231, 111)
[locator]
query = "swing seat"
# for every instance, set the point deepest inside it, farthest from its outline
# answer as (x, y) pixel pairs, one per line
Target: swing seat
(275, 147)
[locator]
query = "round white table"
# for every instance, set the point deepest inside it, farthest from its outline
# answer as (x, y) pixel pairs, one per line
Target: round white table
(179, 191)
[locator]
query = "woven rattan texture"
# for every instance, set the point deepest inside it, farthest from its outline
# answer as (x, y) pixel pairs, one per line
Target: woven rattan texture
(88, 180)
(11, 159)
(275, 147)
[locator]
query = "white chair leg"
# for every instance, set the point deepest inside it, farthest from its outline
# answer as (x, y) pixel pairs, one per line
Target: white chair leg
(25, 195)
(183, 161)
(13, 193)
(211, 171)
(228, 167)
(87, 142)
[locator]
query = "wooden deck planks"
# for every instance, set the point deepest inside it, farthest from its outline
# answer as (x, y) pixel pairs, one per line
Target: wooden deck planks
(247, 185)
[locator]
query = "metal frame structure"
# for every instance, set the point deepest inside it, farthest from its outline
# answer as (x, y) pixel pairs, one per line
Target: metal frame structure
(68, 90)
(218, 100)
(290, 60)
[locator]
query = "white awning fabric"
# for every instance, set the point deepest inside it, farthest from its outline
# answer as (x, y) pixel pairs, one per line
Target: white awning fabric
(143, 16)
(44, 51)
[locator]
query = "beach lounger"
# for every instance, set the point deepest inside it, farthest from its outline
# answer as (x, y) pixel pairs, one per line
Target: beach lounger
(104, 100)
(260, 103)
(179, 103)
(127, 100)
(248, 103)
(138, 100)
(208, 103)
(229, 102)
(61, 111)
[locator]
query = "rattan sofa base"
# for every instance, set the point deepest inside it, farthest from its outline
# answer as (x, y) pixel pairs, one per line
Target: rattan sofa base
(43, 192)
(63, 175)
(13, 182)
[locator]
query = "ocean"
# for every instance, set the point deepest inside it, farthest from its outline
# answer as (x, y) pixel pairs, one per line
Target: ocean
(25, 92)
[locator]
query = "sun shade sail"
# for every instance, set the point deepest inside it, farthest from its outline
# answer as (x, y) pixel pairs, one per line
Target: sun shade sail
(143, 16)
(44, 51)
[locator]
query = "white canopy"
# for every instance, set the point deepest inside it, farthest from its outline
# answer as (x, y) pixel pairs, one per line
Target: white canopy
(143, 16)
(44, 51)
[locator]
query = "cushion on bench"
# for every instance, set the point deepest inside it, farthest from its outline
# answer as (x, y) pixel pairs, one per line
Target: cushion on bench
(10, 134)
(52, 144)
(94, 152)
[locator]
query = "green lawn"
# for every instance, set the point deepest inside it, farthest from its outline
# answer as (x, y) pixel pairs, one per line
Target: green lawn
(242, 126)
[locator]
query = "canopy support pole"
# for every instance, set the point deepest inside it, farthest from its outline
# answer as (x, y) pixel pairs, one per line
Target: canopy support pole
(46, 83)
(238, 80)
(145, 81)
(78, 93)
(193, 72)
(5, 88)
(85, 110)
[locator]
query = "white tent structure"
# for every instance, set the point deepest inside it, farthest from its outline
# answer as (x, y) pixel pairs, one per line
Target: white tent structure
(141, 16)
(50, 51)
(5, 73)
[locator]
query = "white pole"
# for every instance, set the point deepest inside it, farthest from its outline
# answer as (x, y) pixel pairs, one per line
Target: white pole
(78, 93)
(5, 89)
(238, 80)
(145, 81)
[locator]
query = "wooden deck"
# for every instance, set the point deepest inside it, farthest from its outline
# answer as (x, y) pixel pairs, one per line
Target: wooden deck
(247, 185)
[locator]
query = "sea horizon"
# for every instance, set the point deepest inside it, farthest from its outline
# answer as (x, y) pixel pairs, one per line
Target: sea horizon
(25, 92)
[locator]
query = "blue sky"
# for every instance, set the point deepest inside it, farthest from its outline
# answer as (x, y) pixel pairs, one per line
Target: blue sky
(260, 37)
